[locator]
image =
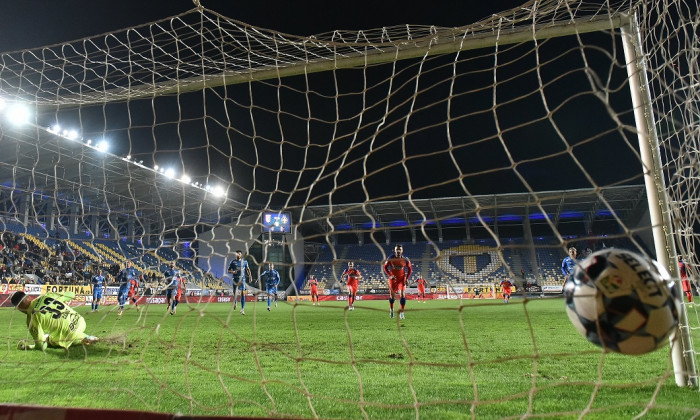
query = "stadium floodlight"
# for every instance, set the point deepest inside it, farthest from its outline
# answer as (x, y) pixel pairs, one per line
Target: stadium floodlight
(128, 157)
(72, 135)
(55, 129)
(186, 179)
(17, 114)
(218, 191)
(89, 142)
(155, 167)
(170, 173)
(102, 146)
(3, 104)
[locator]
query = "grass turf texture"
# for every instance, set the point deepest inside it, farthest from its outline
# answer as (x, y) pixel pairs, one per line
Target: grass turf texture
(447, 360)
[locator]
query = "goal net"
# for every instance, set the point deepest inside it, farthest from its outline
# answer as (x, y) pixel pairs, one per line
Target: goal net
(487, 150)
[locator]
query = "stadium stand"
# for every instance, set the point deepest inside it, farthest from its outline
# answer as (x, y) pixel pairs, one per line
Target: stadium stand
(34, 254)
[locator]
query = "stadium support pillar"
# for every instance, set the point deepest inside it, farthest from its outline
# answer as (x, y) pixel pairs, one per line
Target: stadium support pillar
(532, 253)
(146, 241)
(113, 221)
(25, 209)
(52, 217)
(130, 229)
(438, 225)
(682, 352)
(73, 220)
(468, 233)
(95, 225)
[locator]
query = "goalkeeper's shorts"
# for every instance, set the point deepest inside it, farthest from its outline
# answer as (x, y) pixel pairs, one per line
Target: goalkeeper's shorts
(74, 336)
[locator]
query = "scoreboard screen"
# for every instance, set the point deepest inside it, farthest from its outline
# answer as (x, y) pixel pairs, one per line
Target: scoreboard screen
(276, 222)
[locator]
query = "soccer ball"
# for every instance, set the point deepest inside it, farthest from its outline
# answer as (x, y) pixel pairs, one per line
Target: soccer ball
(622, 301)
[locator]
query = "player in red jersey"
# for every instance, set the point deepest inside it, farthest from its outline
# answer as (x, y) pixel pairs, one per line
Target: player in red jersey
(313, 285)
(421, 287)
(399, 270)
(181, 288)
(685, 283)
(507, 286)
(131, 295)
(353, 279)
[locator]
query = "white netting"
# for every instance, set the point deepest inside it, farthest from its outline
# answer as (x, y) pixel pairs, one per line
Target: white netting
(487, 149)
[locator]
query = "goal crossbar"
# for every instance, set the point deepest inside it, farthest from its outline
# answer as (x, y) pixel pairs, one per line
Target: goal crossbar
(444, 41)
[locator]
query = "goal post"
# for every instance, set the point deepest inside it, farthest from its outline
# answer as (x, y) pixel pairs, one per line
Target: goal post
(659, 210)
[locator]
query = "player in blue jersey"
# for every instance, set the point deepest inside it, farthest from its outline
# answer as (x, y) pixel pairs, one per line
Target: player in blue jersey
(99, 283)
(124, 279)
(271, 278)
(239, 273)
(569, 263)
(173, 290)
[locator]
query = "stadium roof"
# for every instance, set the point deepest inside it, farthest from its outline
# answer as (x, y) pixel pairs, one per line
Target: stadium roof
(628, 203)
(52, 170)
(47, 168)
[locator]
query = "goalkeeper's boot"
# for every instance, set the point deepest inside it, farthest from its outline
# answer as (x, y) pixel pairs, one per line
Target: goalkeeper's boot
(275, 304)
(242, 312)
(90, 340)
(268, 309)
(401, 315)
(391, 313)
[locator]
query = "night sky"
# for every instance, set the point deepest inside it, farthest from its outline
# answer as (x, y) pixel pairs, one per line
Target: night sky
(303, 169)
(34, 23)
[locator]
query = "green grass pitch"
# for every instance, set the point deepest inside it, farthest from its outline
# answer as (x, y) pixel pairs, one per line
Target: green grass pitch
(446, 360)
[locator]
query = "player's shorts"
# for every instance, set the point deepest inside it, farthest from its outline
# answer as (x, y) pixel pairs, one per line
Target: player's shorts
(131, 293)
(178, 294)
(506, 292)
(421, 290)
(241, 285)
(75, 336)
(352, 288)
(686, 285)
(97, 296)
(272, 290)
(314, 291)
(397, 285)
(121, 295)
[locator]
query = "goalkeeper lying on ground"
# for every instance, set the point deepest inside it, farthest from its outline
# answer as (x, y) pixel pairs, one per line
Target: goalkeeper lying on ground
(51, 321)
